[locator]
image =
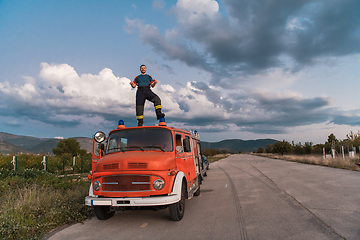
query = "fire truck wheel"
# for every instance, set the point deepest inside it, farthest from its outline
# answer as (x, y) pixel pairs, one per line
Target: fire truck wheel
(177, 210)
(103, 212)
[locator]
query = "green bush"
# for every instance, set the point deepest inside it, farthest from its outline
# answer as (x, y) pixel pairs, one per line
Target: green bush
(29, 161)
(260, 150)
(210, 152)
(54, 164)
(5, 162)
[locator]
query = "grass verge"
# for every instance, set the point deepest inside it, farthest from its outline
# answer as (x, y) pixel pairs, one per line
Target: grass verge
(346, 163)
(217, 157)
(34, 202)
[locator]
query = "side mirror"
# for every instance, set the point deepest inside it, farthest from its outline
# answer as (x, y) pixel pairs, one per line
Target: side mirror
(102, 148)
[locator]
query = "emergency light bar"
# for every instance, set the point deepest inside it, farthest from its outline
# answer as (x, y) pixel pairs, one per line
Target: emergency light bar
(121, 124)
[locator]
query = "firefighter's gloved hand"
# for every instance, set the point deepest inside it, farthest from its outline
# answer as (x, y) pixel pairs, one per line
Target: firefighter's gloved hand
(154, 83)
(133, 84)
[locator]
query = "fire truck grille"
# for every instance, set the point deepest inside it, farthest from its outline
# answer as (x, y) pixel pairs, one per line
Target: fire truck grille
(126, 183)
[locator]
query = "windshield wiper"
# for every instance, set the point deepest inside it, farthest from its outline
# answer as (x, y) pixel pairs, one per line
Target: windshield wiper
(121, 149)
(136, 147)
(154, 146)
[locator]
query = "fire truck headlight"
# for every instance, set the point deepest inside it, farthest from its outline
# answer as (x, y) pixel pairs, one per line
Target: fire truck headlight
(96, 185)
(99, 137)
(158, 184)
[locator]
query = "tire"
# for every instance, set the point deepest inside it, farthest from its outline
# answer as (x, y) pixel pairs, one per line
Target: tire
(177, 210)
(103, 212)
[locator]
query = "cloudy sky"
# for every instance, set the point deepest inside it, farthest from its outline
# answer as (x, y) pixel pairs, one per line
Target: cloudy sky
(228, 68)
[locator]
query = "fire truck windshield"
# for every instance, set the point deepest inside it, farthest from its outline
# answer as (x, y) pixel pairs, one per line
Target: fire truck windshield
(143, 139)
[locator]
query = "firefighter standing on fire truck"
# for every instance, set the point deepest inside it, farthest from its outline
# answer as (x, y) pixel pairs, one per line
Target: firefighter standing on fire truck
(144, 82)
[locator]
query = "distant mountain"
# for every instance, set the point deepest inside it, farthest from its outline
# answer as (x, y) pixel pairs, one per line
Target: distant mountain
(11, 143)
(7, 148)
(45, 147)
(238, 145)
(25, 142)
(85, 143)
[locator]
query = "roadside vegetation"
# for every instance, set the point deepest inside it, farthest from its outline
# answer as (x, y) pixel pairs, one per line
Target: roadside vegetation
(333, 153)
(34, 201)
(214, 155)
(62, 162)
(339, 162)
(217, 157)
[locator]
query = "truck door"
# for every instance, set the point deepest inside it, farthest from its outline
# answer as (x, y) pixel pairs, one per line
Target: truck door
(194, 154)
(180, 155)
(191, 165)
(197, 157)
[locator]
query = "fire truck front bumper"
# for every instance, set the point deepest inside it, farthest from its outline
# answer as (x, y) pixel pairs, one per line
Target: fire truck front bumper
(138, 201)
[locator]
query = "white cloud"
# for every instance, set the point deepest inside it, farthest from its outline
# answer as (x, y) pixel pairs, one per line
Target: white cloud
(87, 92)
(63, 98)
(167, 88)
(198, 7)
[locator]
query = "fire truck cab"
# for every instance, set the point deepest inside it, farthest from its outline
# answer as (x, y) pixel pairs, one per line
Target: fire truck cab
(157, 166)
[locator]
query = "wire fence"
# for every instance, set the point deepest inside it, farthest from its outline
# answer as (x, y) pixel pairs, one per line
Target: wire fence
(342, 151)
(51, 164)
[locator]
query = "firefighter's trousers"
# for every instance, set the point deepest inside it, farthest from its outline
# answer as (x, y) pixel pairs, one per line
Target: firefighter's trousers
(142, 94)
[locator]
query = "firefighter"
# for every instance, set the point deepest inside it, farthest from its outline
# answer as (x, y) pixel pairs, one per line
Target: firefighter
(144, 82)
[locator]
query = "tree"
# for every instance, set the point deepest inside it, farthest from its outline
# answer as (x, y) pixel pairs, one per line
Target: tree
(331, 142)
(353, 139)
(268, 148)
(318, 148)
(332, 138)
(281, 147)
(297, 148)
(353, 136)
(308, 147)
(69, 147)
(260, 150)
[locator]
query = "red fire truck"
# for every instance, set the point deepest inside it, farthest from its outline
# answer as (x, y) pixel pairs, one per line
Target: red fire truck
(157, 166)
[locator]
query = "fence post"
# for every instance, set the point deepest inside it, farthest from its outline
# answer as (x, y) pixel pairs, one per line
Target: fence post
(73, 160)
(343, 154)
(81, 165)
(324, 156)
(14, 162)
(44, 162)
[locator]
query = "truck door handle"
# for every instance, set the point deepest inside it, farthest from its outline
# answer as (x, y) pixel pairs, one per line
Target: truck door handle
(184, 158)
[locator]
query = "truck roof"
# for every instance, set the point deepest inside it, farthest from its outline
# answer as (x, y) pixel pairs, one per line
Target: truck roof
(193, 133)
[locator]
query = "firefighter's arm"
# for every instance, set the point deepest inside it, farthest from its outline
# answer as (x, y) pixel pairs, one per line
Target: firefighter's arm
(133, 84)
(153, 83)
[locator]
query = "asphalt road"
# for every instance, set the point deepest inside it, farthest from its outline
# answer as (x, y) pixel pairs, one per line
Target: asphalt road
(247, 197)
